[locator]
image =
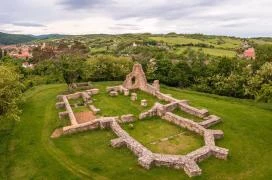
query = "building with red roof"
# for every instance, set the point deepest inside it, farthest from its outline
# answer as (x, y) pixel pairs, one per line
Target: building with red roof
(249, 53)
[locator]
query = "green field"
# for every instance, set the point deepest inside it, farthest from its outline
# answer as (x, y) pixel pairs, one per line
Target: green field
(226, 42)
(177, 40)
(31, 154)
(260, 41)
(225, 48)
(210, 51)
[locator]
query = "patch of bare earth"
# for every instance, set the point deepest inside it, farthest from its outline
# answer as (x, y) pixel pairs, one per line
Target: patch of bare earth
(83, 117)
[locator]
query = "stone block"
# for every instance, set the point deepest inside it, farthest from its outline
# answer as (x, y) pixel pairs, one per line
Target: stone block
(60, 105)
(127, 118)
(113, 93)
(118, 142)
(63, 114)
(144, 102)
(133, 96)
(145, 161)
(94, 109)
(126, 92)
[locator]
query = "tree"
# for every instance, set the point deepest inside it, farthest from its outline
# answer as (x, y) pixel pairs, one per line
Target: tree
(260, 85)
(42, 54)
(71, 69)
(106, 68)
(10, 93)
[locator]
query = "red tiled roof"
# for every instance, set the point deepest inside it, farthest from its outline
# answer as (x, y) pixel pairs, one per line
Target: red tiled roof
(249, 53)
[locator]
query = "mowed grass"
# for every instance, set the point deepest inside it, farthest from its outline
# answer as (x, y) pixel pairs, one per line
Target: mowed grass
(31, 153)
(181, 113)
(120, 105)
(151, 130)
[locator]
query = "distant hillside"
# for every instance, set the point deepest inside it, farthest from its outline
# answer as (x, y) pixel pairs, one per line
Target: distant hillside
(50, 36)
(7, 39)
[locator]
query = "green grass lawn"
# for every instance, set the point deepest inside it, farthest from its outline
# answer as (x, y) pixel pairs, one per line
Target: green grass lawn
(31, 154)
(153, 129)
(80, 109)
(76, 101)
(187, 115)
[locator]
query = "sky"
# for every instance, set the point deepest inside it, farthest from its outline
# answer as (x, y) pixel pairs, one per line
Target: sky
(242, 18)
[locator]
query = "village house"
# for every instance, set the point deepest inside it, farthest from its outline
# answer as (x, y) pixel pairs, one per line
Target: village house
(249, 53)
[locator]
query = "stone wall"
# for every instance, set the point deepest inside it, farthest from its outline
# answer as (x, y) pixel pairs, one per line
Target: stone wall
(185, 123)
(74, 95)
(70, 111)
(94, 109)
(210, 120)
(120, 89)
(192, 110)
(136, 79)
(165, 97)
(80, 127)
(150, 113)
(126, 118)
(92, 91)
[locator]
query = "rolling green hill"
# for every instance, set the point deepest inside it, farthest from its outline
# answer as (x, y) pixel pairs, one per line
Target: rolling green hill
(7, 39)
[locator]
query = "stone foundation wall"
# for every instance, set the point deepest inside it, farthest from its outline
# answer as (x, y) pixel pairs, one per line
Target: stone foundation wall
(92, 91)
(192, 110)
(210, 121)
(171, 106)
(165, 97)
(60, 105)
(74, 95)
(149, 113)
(126, 118)
(185, 123)
(120, 89)
(94, 109)
(80, 127)
(70, 111)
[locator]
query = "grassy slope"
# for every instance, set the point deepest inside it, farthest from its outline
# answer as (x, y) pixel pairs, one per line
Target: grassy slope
(225, 49)
(33, 155)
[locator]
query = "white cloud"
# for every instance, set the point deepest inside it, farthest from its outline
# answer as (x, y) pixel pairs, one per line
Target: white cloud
(227, 17)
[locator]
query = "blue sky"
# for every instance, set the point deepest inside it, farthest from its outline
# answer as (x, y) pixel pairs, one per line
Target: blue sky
(245, 18)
